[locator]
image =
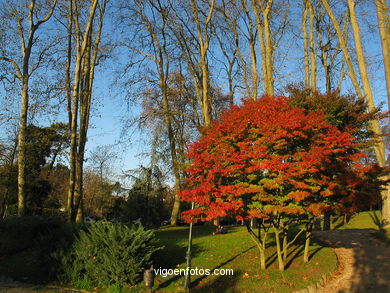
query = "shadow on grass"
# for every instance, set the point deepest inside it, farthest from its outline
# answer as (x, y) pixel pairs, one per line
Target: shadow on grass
(175, 241)
(295, 252)
(199, 280)
(176, 257)
(224, 284)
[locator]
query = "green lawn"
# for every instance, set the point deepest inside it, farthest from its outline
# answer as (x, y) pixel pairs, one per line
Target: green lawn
(364, 220)
(235, 250)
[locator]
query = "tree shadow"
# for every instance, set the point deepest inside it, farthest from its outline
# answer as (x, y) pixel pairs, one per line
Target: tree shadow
(292, 255)
(367, 259)
(221, 284)
(199, 280)
(271, 259)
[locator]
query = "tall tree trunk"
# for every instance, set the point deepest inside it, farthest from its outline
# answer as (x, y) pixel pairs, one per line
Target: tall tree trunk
(313, 56)
(172, 147)
(22, 150)
(204, 39)
(375, 127)
(269, 48)
(379, 147)
(23, 74)
(81, 100)
(384, 30)
(260, 32)
(306, 44)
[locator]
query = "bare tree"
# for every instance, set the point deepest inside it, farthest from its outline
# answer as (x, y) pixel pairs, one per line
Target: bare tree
(23, 71)
(100, 157)
(379, 147)
(79, 96)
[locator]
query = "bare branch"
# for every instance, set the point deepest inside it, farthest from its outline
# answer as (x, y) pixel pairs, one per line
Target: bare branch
(13, 62)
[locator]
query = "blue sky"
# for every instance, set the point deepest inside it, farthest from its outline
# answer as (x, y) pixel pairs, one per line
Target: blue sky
(110, 106)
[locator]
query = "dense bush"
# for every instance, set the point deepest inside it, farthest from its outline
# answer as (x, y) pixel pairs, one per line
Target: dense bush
(22, 233)
(108, 254)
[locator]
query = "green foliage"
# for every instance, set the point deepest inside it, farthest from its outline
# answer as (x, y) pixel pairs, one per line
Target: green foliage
(145, 199)
(108, 254)
(347, 113)
(83, 284)
(22, 233)
(44, 146)
(114, 288)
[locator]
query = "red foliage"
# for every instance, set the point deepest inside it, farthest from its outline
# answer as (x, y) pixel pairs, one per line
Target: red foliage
(268, 157)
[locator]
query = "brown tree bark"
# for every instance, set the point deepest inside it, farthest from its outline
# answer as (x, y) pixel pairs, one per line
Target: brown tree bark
(384, 31)
(23, 73)
(81, 96)
(306, 43)
(313, 54)
(368, 95)
(204, 42)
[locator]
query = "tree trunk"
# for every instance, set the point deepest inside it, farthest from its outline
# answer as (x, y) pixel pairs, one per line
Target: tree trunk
(307, 243)
(269, 48)
(80, 100)
(254, 70)
(306, 45)
(379, 147)
(313, 56)
(384, 31)
(285, 245)
(279, 250)
(375, 127)
(22, 150)
(261, 245)
(172, 146)
(326, 224)
(203, 48)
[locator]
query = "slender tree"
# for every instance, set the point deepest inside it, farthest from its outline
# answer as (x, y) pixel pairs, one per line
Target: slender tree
(23, 71)
(382, 11)
(379, 147)
(86, 46)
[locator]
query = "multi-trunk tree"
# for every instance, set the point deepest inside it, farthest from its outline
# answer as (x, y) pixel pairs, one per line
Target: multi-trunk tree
(268, 160)
(85, 23)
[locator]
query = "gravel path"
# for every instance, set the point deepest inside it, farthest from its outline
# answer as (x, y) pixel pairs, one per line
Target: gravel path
(364, 262)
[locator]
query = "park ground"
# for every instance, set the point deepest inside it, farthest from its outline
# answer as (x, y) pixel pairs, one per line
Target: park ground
(353, 258)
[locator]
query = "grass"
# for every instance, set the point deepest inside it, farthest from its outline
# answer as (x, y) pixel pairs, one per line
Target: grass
(364, 220)
(235, 250)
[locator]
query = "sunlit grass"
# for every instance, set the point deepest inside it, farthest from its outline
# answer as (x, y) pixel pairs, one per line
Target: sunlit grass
(235, 250)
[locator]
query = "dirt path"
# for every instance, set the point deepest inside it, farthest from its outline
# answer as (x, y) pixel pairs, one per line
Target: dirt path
(364, 262)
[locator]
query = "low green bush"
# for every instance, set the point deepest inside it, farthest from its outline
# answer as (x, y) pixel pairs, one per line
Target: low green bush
(22, 233)
(108, 254)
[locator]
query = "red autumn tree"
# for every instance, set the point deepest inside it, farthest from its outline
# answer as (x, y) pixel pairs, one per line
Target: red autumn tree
(269, 160)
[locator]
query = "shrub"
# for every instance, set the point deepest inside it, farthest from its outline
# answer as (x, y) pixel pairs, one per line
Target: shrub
(108, 254)
(23, 233)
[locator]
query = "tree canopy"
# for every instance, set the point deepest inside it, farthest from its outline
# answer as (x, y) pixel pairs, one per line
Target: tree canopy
(268, 158)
